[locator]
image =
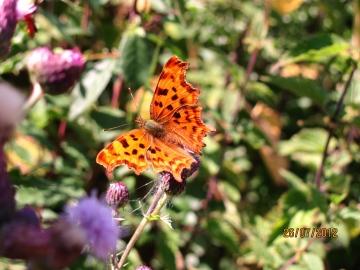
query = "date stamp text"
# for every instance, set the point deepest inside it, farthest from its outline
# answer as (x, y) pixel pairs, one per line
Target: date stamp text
(310, 233)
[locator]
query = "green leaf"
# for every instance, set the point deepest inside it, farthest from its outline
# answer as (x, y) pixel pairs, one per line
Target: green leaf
(168, 245)
(299, 86)
(261, 250)
(294, 201)
(313, 261)
(350, 213)
(307, 146)
(294, 181)
(254, 136)
(342, 233)
(221, 232)
(319, 200)
(89, 88)
(135, 58)
(316, 49)
(106, 117)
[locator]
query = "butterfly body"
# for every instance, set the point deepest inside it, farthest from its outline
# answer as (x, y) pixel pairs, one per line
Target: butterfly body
(174, 128)
(152, 127)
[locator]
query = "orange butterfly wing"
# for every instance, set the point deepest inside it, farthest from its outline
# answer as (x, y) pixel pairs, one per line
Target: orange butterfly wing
(168, 157)
(129, 149)
(186, 128)
(172, 90)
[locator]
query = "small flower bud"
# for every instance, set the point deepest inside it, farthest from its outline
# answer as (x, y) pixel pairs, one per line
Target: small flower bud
(173, 187)
(117, 195)
(56, 73)
(143, 267)
(170, 185)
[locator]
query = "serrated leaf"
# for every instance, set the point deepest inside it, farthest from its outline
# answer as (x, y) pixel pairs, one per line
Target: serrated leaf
(299, 86)
(89, 88)
(313, 261)
(135, 59)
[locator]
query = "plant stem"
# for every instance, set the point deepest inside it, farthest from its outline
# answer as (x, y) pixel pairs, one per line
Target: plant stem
(36, 94)
(332, 127)
(159, 201)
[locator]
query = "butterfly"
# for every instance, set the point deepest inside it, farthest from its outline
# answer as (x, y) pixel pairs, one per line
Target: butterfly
(174, 128)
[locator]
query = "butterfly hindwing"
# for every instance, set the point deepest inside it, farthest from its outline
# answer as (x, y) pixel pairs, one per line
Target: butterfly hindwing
(186, 123)
(172, 90)
(165, 156)
(129, 149)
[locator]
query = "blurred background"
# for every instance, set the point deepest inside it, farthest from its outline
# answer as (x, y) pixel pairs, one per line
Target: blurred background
(278, 80)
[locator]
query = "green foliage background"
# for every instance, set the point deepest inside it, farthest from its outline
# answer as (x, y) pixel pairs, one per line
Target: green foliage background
(270, 83)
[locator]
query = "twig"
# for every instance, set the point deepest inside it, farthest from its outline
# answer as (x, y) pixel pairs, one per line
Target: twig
(331, 128)
(294, 258)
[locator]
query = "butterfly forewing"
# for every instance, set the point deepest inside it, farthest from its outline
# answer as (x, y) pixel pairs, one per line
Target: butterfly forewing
(129, 149)
(172, 90)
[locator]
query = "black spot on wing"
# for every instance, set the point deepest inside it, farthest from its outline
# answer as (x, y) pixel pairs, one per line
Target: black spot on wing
(124, 143)
(163, 92)
(182, 101)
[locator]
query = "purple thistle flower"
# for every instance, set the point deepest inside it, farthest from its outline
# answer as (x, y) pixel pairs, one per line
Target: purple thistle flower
(8, 21)
(11, 11)
(24, 8)
(56, 73)
(95, 218)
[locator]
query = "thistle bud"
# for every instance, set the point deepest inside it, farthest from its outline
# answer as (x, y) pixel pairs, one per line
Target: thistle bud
(117, 195)
(56, 73)
(173, 187)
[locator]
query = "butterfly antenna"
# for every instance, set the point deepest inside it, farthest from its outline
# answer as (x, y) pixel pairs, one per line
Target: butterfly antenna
(132, 96)
(106, 129)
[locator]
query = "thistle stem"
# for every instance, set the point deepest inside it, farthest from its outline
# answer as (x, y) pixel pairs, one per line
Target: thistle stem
(160, 199)
(36, 94)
